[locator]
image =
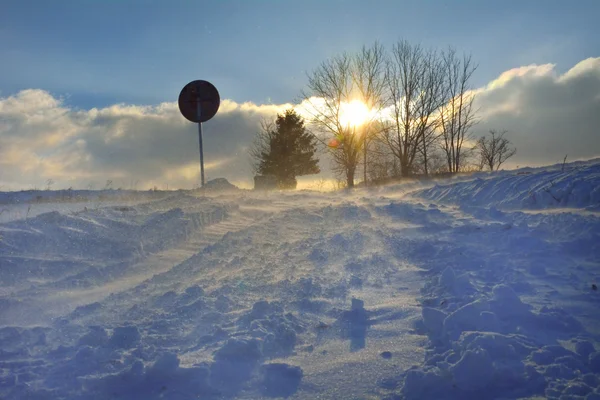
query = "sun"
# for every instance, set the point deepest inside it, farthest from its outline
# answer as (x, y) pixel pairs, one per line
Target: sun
(354, 113)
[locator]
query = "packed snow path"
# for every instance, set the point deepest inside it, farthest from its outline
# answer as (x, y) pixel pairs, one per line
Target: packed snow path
(394, 292)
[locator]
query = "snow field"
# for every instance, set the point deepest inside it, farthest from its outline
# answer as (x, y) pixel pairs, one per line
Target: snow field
(53, 252)
(447, 292)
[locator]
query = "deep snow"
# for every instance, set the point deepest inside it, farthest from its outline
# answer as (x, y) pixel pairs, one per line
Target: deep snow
(475, 287)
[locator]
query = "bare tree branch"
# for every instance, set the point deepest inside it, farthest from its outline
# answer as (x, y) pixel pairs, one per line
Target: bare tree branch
(457, 114)
(340, 80)
(494, 151)
(367, 75)
(415, 84)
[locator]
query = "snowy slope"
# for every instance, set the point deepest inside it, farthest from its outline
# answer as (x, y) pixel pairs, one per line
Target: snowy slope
(578, 186)
(453, 291)
(30, 203)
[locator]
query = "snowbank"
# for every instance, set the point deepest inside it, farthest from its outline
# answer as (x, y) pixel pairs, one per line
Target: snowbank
(575, 187)
(219, 185)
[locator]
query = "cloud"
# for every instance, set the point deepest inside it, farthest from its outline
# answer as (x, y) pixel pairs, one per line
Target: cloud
(41, 138)
(546, 113)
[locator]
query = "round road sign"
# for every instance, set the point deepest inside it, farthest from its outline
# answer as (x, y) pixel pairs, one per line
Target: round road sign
(202, 91)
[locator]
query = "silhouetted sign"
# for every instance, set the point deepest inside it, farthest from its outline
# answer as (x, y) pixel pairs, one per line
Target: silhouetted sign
(202, 91)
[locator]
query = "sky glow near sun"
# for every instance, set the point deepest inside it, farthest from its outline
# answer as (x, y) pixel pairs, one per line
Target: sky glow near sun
(354, 113)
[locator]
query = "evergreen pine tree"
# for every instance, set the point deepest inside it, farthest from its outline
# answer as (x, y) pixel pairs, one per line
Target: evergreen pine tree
(286, 150)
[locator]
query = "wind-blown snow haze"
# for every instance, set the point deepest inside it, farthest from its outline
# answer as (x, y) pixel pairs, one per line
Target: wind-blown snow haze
(470, 287)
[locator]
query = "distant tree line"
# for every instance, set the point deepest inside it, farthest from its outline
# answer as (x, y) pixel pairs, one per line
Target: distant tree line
(420, 121)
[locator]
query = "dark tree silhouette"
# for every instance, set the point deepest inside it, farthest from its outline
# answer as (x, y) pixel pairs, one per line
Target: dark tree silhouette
(458, 114)
(415, 84)
(494, 151)
(329, 86)
(285, 149)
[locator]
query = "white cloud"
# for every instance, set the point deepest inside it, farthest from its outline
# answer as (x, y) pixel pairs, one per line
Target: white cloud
(521, 72)
(547, 115)
(42, 138)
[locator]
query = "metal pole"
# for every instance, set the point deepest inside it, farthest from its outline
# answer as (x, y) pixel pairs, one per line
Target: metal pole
(200, 144)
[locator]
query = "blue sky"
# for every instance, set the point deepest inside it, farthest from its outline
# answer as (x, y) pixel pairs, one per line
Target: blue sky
(96, 53)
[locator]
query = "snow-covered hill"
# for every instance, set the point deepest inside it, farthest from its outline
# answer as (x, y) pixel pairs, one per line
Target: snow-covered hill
(577, 186)
(461, 289)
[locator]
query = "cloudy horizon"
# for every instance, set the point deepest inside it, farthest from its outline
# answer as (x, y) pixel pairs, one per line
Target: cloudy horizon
(88, 90)
(546, 114)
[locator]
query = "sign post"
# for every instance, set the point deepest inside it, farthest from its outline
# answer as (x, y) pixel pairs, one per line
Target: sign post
(200, 144)
(198, 102)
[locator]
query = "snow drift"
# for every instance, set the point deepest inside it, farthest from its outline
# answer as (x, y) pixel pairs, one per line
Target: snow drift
(455, 291)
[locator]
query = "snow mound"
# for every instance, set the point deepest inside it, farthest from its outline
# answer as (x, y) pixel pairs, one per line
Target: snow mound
(280, 380)
(234, 364)
(479, 363)
(163, 379)
(276, 329)
(575, 187)
(219, 184)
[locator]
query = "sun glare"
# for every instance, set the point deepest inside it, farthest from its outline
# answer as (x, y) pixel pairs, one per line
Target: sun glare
(354, 113)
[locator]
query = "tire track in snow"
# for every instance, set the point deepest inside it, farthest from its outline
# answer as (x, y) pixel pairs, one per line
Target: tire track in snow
(55, 303)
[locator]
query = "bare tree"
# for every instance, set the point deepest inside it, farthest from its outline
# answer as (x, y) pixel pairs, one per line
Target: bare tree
(436, 162)
(494, 151)
(415, 83)
(340, 81)
(431, 98)
(457, 115)
(329, 86)
(382, 164)
(367, 75)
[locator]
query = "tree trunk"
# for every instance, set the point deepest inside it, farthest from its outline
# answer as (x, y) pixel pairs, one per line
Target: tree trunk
(425, 156)
(365, 162)
(404, 171)
(350, 177)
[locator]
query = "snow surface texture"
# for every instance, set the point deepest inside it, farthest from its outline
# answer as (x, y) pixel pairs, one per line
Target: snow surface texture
(577, 186)
(454, 291)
